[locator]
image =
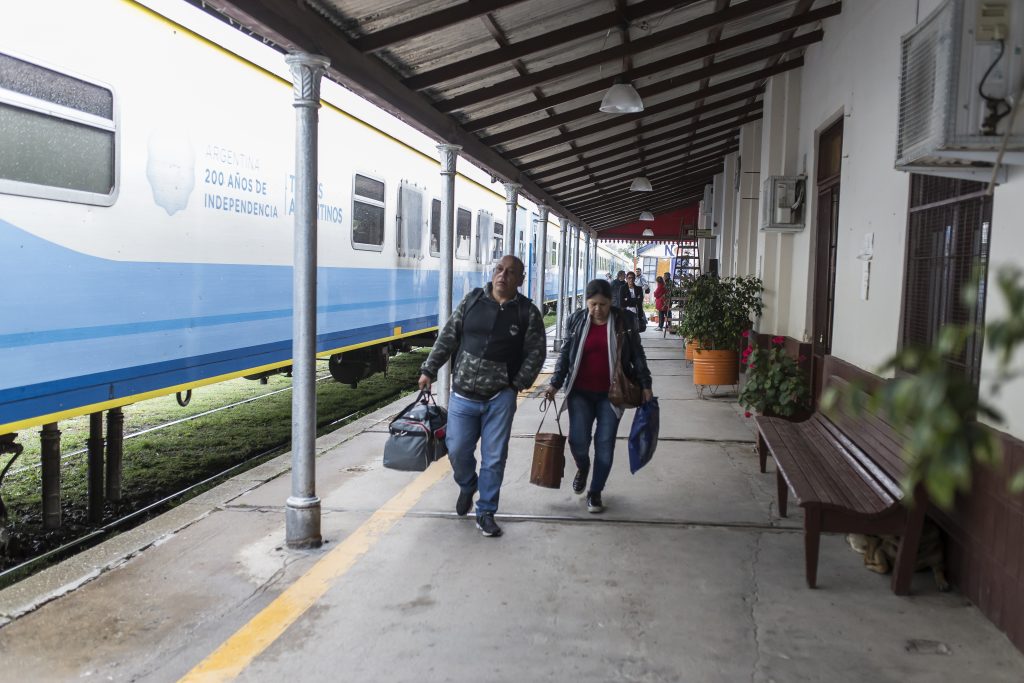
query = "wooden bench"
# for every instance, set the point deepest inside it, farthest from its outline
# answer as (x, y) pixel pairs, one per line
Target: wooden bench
(845, 473)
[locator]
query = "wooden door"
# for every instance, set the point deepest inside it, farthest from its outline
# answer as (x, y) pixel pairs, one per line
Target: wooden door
(826, 227)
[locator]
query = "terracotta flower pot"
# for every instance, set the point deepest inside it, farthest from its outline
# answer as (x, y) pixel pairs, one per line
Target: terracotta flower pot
(715, 368)
(691, 346)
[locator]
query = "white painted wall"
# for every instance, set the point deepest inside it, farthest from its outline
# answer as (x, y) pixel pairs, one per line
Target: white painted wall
(854, 72)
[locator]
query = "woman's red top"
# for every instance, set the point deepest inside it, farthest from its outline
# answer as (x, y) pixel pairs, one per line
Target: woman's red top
(594, 374)
(659, 297)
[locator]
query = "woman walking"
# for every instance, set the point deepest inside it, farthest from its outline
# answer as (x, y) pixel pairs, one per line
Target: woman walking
(661, 302)
(595, 338)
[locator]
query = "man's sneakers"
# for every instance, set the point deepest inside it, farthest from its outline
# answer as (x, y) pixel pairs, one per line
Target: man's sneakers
(486, 524)
(464, 502)
(594, 504)
(579, 482)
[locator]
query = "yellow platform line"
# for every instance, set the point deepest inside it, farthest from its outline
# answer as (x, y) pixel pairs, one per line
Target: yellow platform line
(236, 653)
(231, 658)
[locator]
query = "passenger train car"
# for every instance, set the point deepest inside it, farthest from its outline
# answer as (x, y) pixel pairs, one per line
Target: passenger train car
(146, 213)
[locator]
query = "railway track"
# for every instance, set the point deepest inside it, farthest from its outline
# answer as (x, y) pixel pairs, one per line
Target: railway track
(28, 567)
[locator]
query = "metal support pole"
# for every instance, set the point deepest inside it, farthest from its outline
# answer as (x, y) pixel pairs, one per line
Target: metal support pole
(95, 478)
(449, 156)
(542, 256)
(302, 509)
(511, 202)
(563, 262)
(574, 287)
(586, 255)
(115, 453)
(49, 454)
(593, 260)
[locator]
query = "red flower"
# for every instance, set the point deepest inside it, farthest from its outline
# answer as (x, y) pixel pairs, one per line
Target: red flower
(746, 333)
(778, 340)
(746, 414)
(747, 351)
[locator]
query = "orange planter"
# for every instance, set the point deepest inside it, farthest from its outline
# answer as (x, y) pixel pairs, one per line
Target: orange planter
(691, 346)
(715, 368)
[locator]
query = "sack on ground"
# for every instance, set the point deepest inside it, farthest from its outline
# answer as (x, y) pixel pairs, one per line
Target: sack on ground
(643, 435)
(417, 436)
(548, 454)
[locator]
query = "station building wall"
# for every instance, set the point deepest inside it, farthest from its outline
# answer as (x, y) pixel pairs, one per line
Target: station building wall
(854, 74)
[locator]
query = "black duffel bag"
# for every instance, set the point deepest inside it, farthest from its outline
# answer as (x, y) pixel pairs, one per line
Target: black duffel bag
(417, 435)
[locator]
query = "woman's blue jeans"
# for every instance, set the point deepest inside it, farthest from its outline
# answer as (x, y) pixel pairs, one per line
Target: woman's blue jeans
(586, 407)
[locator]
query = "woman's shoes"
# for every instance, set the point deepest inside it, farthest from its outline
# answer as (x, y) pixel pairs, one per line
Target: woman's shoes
(579, 482)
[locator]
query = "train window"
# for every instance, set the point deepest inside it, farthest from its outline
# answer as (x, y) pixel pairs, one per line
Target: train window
(553, 254)
(409, 222)
(59, 135)
(463, 233)
(498, 242)
(367, 213)
(435, 227)
(484, 230)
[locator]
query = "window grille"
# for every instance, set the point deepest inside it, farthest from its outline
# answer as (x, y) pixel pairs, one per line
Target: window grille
(948, 235)
(463, 233)
(435, 227)
(409, 221)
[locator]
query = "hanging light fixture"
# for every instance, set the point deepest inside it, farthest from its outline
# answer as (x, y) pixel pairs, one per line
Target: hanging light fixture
(640, 184)
(648, 232)
(646, 216)
(622, 98)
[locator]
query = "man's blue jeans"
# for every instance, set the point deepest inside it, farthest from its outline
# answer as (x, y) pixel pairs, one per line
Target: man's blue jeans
(490, 423)
(584, 408)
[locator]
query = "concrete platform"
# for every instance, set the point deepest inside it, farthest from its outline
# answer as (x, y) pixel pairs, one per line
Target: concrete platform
(689, 576)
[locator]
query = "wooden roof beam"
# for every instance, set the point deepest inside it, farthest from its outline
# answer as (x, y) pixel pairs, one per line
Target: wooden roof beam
(668, 180)
(678, 124)
(428, 23)
(291, 26)
(591, 108)
(545, 41)
(628, 49)
(732, 118)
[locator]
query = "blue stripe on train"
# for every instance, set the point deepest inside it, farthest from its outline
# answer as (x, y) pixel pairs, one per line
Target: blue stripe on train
(79, 329)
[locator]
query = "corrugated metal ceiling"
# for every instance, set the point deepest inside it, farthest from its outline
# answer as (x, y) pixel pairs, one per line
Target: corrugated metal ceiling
(518, 82)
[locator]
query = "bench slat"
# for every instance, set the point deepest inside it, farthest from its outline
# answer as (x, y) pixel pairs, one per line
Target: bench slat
(819, 469)
(879, 484)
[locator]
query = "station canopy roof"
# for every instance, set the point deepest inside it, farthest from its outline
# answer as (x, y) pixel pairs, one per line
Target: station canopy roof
(518, 83)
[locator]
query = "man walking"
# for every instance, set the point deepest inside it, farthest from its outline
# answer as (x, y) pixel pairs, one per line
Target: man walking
(618, 289)
(497, 338)
(642, 281)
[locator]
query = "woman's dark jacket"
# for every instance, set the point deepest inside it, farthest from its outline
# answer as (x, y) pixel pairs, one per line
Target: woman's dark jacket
(634, 360)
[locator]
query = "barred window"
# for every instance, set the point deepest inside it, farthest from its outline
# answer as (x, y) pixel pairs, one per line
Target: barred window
(57, 135)
(948, 234)
(498, 242)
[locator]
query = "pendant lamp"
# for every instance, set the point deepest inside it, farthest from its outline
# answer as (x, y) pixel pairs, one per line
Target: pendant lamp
(640, 184)
(648, 232)
(622, 98)
(646, 216)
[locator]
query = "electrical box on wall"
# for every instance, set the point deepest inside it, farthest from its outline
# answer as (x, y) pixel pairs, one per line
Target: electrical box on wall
(782, 203)
(961, 69)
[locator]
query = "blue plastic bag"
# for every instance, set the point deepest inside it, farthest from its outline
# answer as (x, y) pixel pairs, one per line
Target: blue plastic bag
(643, 435)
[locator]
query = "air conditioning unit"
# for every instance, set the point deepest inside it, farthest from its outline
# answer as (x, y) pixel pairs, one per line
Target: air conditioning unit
(782, 203)
(959, 69)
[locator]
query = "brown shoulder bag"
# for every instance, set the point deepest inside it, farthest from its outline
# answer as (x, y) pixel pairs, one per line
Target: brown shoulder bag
(548, 453)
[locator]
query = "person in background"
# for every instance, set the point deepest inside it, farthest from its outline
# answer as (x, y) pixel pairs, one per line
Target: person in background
(661, 302)
(633, 300)
(609, 277)
(584, 368)
(618, 288)
(496, 341)
(642, 281)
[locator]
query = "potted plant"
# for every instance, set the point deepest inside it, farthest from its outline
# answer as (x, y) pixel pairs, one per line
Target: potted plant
(718, 311)
(775, 384)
